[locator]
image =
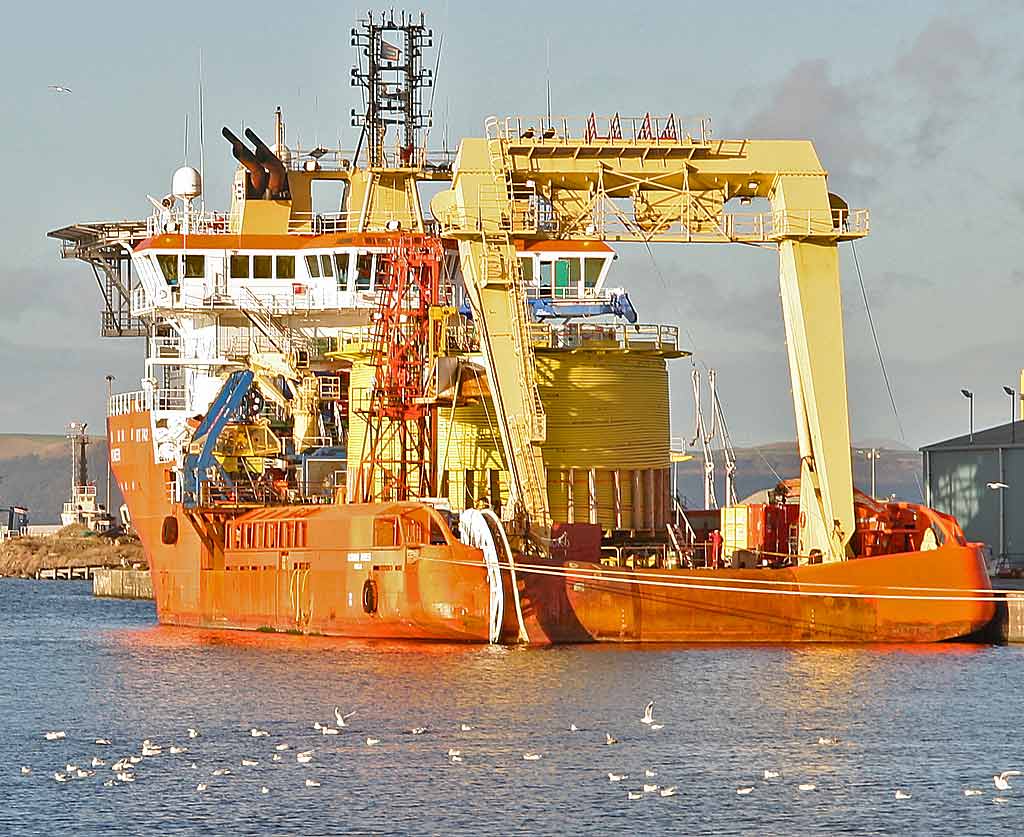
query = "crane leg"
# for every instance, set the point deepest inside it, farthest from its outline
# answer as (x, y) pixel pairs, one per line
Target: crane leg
(812, 309)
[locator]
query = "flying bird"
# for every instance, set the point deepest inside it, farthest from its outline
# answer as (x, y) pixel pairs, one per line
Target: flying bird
(342, 718)
(1001, 781)
(60, 88)
(609, 739)
(996, 486)
(648, 717)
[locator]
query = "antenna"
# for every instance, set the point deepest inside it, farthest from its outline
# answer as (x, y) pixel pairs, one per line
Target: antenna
(202, 144)
(185, 161)
(549, 78)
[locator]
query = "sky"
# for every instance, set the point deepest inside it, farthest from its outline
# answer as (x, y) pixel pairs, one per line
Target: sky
(916, 109)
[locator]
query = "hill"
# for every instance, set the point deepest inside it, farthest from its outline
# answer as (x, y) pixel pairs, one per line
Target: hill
(35, 471)
(897, 471)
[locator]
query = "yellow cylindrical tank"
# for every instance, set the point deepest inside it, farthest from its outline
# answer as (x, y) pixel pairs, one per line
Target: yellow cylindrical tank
(607, 448)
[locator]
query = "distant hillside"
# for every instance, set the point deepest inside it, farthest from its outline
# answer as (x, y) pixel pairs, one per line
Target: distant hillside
(35, 471)
(896, 472)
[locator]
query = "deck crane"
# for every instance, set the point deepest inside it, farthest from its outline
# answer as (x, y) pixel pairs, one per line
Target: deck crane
(657, 179)
(702, 435)
(718, 426)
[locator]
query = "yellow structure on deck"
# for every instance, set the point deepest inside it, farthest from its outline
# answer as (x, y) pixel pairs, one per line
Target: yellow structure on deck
(656, 179)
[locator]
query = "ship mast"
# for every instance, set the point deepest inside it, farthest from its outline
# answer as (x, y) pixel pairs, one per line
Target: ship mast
(393, 80)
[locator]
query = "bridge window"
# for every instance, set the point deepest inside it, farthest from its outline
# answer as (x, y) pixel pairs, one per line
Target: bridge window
(313, 266)
(341, 263)
(592, 271)
(195, 267)
(168, 267)
(527, 265)
(326, 268)
(545, 279)
(262, 267)
(239, 266)
(364, 271)
(286, 267)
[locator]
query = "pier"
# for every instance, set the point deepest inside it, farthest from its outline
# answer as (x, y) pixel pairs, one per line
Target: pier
(117, 583)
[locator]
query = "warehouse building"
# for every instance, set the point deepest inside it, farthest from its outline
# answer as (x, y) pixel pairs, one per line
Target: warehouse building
(979, 479)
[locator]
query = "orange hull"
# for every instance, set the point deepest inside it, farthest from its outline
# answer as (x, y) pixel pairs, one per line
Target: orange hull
(441, 592)
(847, 601)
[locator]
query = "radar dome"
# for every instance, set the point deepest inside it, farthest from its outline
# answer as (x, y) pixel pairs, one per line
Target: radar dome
(187, 183)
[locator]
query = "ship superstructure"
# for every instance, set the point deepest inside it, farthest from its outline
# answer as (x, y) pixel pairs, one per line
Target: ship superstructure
(361, 421)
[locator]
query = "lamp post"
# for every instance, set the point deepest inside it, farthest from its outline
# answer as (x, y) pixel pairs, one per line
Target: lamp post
(110, 393)
(872, 455)
(1013, 413)
(970, 397)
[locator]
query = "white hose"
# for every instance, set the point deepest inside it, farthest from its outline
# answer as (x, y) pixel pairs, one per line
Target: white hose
(523, 635)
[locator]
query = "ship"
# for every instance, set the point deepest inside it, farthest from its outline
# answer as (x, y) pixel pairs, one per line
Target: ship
(439, 420)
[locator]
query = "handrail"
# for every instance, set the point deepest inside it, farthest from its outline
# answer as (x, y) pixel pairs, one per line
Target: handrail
(595, 130)
(143, 400)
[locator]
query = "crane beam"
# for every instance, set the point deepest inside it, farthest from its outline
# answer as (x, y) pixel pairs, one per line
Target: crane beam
(658, 183)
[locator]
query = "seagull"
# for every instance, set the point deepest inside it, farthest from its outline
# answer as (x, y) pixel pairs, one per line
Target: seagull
(201, 787)
(1001, 781)
(609, 739)
(258, 733)
(192, 766)
(312, 783)
(370, 742)
(745, 791)
(650, 788)
(465, 727)
(281, 747)
(264, 790)
(807, 786)
(771, 774)
(103, 742)
(996, 486)
(573, 728)
(648, 717)
(650, 773)
(669, 791)
(418, 730)
(531, 756)
(221, 771)
(617, 777)
(973, 792)
(57, 735)
(134, 759)
(317, 725)
(276, 757)
(25, 771)
(452, 752)
(70, 768)
(342, 718)
(827, 741)
(329, 731)
(456, 759)
(98, 762)
(249, 763)
(305, 757)
(126, 777)
(657, 726)
(999, 799)
(109, 783)
(60, 777)
(902, 795)
(84, 774)
(634, 795)
(176, 750)
(59, 88)
(193, 733)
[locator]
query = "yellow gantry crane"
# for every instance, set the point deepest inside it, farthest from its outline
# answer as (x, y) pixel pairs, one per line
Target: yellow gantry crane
(657, 179)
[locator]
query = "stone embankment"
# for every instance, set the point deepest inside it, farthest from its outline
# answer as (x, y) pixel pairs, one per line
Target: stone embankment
(72, 547)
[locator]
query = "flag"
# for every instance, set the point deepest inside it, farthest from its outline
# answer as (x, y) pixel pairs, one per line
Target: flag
(389, 52)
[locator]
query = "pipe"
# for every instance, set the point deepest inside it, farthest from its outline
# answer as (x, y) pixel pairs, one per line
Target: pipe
(275, 168)
(257, 174)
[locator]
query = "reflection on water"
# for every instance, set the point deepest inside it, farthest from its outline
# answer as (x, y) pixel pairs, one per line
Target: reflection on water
(927, 719)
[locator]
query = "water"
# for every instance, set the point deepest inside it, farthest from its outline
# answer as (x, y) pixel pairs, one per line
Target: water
(929, 720)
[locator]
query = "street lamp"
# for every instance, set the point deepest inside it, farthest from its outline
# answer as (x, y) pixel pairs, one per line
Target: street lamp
(970, 397)
(110, 383)
(1013, 413)
(872, 455)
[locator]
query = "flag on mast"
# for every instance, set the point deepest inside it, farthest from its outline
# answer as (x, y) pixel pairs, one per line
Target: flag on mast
(389, 52)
